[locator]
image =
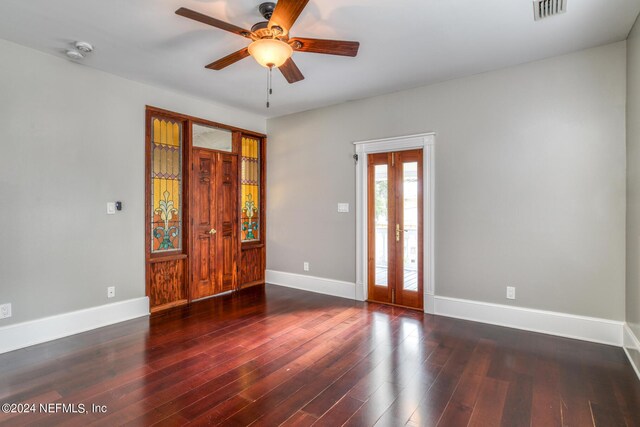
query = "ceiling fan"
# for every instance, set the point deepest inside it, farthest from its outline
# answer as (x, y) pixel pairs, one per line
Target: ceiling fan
(271, 46)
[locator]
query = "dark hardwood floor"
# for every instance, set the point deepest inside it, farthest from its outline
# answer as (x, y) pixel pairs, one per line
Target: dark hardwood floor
(288, 357)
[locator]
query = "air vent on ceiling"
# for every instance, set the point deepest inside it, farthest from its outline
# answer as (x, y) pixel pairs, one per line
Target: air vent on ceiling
(546, 8)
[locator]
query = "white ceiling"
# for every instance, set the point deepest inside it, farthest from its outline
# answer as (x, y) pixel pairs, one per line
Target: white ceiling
(404, 43)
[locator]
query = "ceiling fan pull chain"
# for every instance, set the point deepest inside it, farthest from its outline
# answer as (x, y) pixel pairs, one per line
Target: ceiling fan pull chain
(268, 85)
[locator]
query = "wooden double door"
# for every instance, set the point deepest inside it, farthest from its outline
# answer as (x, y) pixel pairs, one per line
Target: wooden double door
(395, 233)
(214, 223)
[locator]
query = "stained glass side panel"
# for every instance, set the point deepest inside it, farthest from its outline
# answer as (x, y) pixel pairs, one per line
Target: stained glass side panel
(250, 187)
(166, 185)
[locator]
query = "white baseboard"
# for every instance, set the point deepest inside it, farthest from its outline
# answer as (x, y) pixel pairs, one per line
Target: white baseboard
(632, 348)
(360, 296)
(320, 285)
(429, 303)
(548, 322)
(584, 328)
(37, 331)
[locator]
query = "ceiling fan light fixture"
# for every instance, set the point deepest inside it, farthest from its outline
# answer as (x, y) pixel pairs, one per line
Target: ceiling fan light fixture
(270, 52)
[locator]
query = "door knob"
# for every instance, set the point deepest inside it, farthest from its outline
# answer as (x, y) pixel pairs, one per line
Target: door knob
(212, 231)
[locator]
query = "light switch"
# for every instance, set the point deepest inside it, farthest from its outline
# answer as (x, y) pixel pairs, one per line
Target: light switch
(343, 207)
(111, 208)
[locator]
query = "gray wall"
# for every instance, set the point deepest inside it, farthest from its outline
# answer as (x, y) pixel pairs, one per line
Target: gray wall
(72, 140)
(530, 182)
(633, 180)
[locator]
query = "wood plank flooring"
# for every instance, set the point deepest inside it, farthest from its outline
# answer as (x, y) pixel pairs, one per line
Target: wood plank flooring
(278, 356)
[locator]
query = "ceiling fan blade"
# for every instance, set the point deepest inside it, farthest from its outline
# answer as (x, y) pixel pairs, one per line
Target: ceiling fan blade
(286, 13)
(197, 16)
(291, 72)
(329, 47)
(228, 60)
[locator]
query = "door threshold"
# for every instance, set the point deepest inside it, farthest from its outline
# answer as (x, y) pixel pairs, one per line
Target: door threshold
(213, 296)
(421, 310)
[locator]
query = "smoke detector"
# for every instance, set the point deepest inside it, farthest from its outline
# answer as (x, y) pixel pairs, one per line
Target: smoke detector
(546, 8)
(84, 47)
(81, 49)
(74, 54)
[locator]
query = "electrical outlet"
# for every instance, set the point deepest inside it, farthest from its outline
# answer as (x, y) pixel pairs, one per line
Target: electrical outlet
(5, 311)
(511, 292)
(305, 266)
(111, 208)
(111, 291)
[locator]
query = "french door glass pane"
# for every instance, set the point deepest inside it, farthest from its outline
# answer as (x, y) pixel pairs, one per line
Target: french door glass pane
(410, 218)
(381, 213)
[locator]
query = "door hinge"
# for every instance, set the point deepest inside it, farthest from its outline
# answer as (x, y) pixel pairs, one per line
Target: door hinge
(393, 296)
(393, 159)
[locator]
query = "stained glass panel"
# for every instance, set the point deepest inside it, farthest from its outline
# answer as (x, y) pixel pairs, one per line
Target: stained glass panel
(250, 187)
(166, 185)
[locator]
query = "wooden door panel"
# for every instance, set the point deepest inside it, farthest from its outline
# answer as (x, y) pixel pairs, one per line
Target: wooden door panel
(202, 190)
(228, 264)
(380, 276)
(203, 268)
(405, 293)
(252, 266)
(228, 221)
(167, 278)
(203, 260)
(203, 272)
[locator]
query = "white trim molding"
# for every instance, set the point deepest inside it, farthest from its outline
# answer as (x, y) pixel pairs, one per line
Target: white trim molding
(631, 346)
(319, 285)
(584, 328)
(426, 142)
(593, 329)
(25, 334)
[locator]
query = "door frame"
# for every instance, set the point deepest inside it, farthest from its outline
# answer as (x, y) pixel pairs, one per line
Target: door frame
(425, 141)
(257, 249)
